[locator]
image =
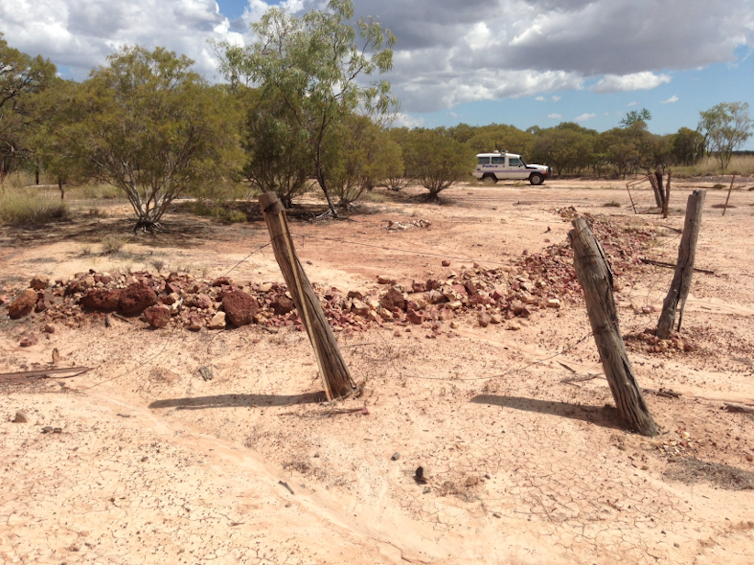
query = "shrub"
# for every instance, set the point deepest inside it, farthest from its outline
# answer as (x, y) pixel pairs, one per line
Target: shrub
(19, 207)
(112, 244)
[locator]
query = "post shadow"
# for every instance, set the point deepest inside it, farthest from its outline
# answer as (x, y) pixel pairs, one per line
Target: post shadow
(237, 400)
(605, 416)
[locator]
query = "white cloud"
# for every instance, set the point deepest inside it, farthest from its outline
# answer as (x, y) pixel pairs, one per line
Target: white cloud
(556, 98)
(627, 83)
(405, 120)
(631, 104)
(670, 100)
(554, 116)
(584, 117)
(448, 52)
(540, 99)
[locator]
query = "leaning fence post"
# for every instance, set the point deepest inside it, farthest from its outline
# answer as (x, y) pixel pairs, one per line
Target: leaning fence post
(684, 268)
(596, 279)
(335, 375)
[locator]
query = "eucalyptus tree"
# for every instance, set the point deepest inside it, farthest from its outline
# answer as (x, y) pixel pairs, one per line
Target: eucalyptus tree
(436, 160)
(316, 66)
(155, 130)
(22, 77)
(726, 127)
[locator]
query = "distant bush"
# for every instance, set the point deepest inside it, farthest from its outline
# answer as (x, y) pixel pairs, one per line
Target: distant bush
(612, 204)
(19, 207)
(112, 244)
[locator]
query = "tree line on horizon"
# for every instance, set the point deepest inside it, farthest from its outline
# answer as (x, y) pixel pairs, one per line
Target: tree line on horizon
(299, 108)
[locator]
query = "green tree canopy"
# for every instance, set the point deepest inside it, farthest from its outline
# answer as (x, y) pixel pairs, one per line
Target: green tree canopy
(21, 78)
(316, 66)
(436, 160)
(726, 127)
(154, 129)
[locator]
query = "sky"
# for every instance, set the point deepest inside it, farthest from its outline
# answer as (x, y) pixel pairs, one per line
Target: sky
(519, 62)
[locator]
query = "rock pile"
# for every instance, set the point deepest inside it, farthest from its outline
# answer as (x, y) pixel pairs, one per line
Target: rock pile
(544, 280)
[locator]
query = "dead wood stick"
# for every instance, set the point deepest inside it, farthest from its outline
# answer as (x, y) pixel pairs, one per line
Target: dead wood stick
(672, 265)
(729, 190)
(581, 378)
(596, 278)
(738, 408)
(44, 373)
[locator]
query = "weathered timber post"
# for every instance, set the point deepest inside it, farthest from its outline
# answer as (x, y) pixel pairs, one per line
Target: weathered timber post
(684, 268)
(335, 375)
(666, 201)
(656, 189)
(725, 208)
(596, 279)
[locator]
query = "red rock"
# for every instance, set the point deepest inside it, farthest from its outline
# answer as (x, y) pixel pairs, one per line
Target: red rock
(446, 314)
(194, 322)
(4, 299)
(23, 305)
(39, 282)
(433, 284)
(49, 329)
(222, 281)
(418, 286)
(136, 297)
(360, 309)
(28, 340)
(282, 305)
(45, 300)
(101, 299)
(157, 316)
(172, 288)
(414, 317)
(200, 301)
(392, 300)
(484, 319)
(240, 307)
(445, 263)
(355, 294)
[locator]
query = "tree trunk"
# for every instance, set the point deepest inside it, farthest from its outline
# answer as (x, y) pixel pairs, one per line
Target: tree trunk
(61, 189)
(332, 368)
(679, 288)
(596, 279)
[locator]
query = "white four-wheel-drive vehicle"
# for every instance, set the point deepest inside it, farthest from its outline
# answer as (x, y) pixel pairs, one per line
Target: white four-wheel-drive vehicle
(492, 167)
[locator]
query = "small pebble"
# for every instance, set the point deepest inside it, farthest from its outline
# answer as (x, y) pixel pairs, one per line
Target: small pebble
(20, 418)
(396, 456)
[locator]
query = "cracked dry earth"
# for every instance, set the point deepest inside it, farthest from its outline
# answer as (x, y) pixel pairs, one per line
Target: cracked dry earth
(525, 460)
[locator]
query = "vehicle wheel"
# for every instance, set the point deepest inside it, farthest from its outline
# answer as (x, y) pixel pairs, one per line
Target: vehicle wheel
(536, 179)
(489, 179)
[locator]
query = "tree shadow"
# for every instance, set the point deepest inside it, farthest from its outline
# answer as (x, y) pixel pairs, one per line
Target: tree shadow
(236, 400)
(604, 416)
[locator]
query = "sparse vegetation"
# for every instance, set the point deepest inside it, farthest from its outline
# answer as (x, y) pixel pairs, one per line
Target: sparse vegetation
(112, 244)
(29, 206)
(612, 204)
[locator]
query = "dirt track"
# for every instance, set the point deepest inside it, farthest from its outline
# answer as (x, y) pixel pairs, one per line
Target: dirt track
(156, 465)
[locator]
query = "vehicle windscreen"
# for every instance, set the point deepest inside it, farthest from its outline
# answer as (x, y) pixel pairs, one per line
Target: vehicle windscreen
(483, 160)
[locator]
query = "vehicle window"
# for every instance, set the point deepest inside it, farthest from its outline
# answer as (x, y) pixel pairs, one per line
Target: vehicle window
(498, 160)
(514, 162)
(483, 160)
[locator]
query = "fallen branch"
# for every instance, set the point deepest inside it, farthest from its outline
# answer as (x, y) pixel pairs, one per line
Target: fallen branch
(671, 265)
(738, 408)
(43, 374)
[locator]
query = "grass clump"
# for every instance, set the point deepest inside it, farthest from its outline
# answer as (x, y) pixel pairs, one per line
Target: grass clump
(113, 244)
(21, 207)
(612, 204)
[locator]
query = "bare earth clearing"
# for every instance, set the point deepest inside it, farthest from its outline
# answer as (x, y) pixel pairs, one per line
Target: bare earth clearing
(154, 464)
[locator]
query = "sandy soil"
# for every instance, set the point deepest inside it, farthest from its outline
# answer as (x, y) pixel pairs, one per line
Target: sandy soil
(153, 464)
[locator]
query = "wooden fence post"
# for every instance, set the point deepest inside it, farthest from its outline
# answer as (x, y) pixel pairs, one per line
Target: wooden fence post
(684, 268)
(666, 201)
(596, 279)
(335, 375)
